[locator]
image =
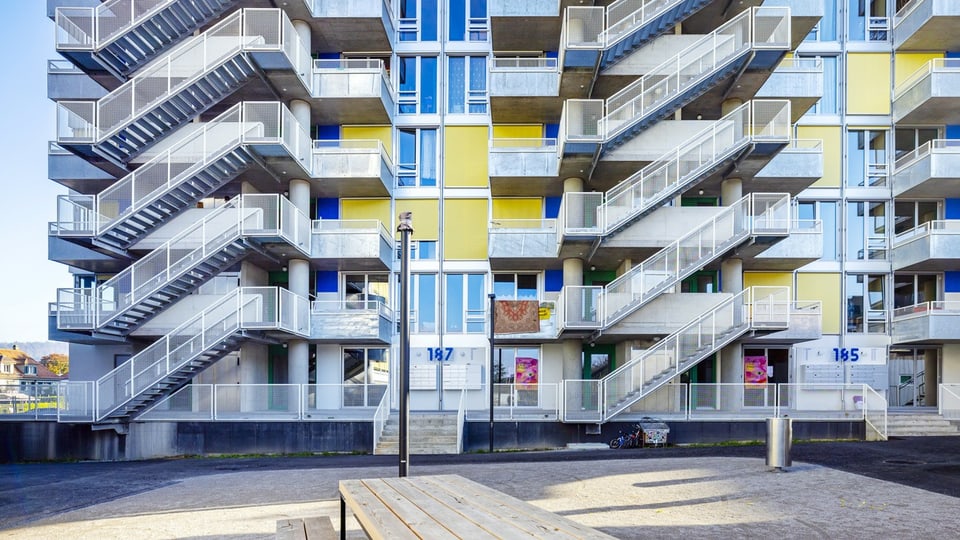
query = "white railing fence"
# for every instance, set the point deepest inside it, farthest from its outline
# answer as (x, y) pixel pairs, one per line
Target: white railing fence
(948, 400)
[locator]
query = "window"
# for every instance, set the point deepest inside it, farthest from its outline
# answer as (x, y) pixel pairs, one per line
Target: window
(29, 370)
(468, 20)
(364, 291)
(865, 304)
(417, 85)
(906, 140)
(516, 376)
(909, 214)
(466, 303)
(6, 368)
(867, 158)
(418, 20)
(826, 28)
(866, 230)
(911, 289)
(867, 20)
(417, 159)
(828, 103)
(826, 212)
(366, 373)
(420, 250)
(468, 85)
(515, 286)
(423, 303)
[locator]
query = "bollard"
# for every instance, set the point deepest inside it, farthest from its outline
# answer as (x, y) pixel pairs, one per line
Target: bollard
(779, 442)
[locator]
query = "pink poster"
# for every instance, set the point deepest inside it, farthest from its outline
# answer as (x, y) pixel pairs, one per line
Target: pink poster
(526, 373)
(755, 369)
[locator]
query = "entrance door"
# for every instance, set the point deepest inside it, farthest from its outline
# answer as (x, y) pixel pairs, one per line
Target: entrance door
(914, 376)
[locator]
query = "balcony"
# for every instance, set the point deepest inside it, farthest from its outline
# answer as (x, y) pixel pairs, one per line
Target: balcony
(66, 81)
(352, 91)
(806, 323)
(794, 169)
(804, 15)
(522, 243)
(928, 322)
(351, 244)
(360, 320)
(524, 167)
(803, 246)
(70, 170)
(353, 25)
(524, 89)
(531, 25)
(927, 25)
(929, 96)
(798, 79)
(352, 168)
(549, 331)
(930, 247)
(930, 171)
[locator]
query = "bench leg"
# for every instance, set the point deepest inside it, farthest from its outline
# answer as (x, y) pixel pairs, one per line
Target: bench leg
(343, 519)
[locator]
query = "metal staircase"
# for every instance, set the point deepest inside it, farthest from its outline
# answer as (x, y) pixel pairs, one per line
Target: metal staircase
(172, 361)
(193, 77)
(631, 23)
(196, 166)
(208, 247)
(120, 36)
(600, 400)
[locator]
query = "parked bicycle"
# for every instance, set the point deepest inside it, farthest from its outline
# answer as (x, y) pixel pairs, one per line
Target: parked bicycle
(633, 439)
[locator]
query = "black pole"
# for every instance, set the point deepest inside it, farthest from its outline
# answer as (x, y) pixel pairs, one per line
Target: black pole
(405, 228)
(493, 318)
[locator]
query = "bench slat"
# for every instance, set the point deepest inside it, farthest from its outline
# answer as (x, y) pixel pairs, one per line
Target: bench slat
(406, 504)
(463, 521)
(376, 519)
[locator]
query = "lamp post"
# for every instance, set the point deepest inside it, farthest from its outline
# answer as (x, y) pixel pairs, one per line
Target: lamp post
(405, 228)
(493, 319)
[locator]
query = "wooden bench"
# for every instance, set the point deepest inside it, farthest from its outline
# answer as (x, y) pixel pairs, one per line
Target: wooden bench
(448, 506)
(312, 528)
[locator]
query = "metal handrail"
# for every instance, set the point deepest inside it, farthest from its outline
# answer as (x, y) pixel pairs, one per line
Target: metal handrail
(800, 64)
(937, 64)
(923, 230)
(935, 146)
(905, 11)
(950, 307)
(951, 390)
(349, 306)
(244, 215)
(182, 66)
(461, 418)
(245, 308)
(356, 146)
(521, 226)
(380, 418)
(523, 63)
(114, 12)
(875, 420)
(673, 76)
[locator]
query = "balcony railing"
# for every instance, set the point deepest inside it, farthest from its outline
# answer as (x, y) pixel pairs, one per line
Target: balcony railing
(523, 63)
(91, 28)
(936, 146)
(939, 226)
(351, 77)
(349, 158)
(949, 65)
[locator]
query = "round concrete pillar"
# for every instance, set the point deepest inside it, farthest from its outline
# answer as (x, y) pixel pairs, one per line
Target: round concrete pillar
(298, 361)
(731, 191)
(731, 275)
(574, 185)
(572, 272)
(573, 359)
(301, 111)
(299, 191)
(729, 105)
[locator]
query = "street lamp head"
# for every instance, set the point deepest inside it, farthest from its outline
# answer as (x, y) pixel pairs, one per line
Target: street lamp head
(406, 222)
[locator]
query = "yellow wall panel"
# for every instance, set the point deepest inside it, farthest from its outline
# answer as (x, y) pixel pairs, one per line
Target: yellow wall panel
(518, 131)
(906, 64)
(826, 288)
(378, 209)
(832, 156)
(384, 133)
(426, 217)
(465, 156)
(517, 208)
(465, 229)
(868, 83)
(767, 279)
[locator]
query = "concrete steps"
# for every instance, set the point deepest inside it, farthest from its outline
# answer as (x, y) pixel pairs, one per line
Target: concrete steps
(430, 433)
(922, 423)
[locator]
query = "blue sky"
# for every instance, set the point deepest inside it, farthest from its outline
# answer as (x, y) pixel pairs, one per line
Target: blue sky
(28, 281)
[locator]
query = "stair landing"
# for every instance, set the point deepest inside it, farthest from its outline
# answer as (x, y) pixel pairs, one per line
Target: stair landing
(919, 422)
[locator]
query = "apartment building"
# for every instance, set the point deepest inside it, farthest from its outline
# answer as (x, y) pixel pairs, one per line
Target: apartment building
(699, 195)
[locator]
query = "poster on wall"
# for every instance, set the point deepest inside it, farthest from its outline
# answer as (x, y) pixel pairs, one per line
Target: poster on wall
(755, 369)
(527, 375)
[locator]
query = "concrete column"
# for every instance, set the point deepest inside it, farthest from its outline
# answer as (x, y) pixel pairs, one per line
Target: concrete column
(572, 277)
(572, 272)
(572, 359)
(298, 351)
(301, 111)
(572, 185)
(299, 191)
(931, 376)
(731, 191)
(729, 105)
(303, 30)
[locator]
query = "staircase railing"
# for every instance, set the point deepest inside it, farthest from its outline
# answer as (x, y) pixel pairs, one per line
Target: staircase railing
(661, 179)
(696, 63)
(244, 215)
(875, 412)
(91, 28)
(623, 16)
(948, 401)
(246, 308)
(246, 30)
(243, 123)
(756, 213)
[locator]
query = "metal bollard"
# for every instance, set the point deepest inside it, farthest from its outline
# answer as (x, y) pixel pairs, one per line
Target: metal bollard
(779, 442)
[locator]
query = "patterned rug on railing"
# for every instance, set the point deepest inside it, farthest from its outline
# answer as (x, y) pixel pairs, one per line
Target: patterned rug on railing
(516, 316)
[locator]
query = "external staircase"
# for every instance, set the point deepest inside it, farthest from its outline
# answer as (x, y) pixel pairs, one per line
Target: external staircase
(429, 433)
(194, 167)
(247, 223)
(632, 23)
(600, 400)
(189, 80)
(919, 422)
(247, 313)
(120, 36)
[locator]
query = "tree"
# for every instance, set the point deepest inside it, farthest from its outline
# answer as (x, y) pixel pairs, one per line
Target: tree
(58, 363)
